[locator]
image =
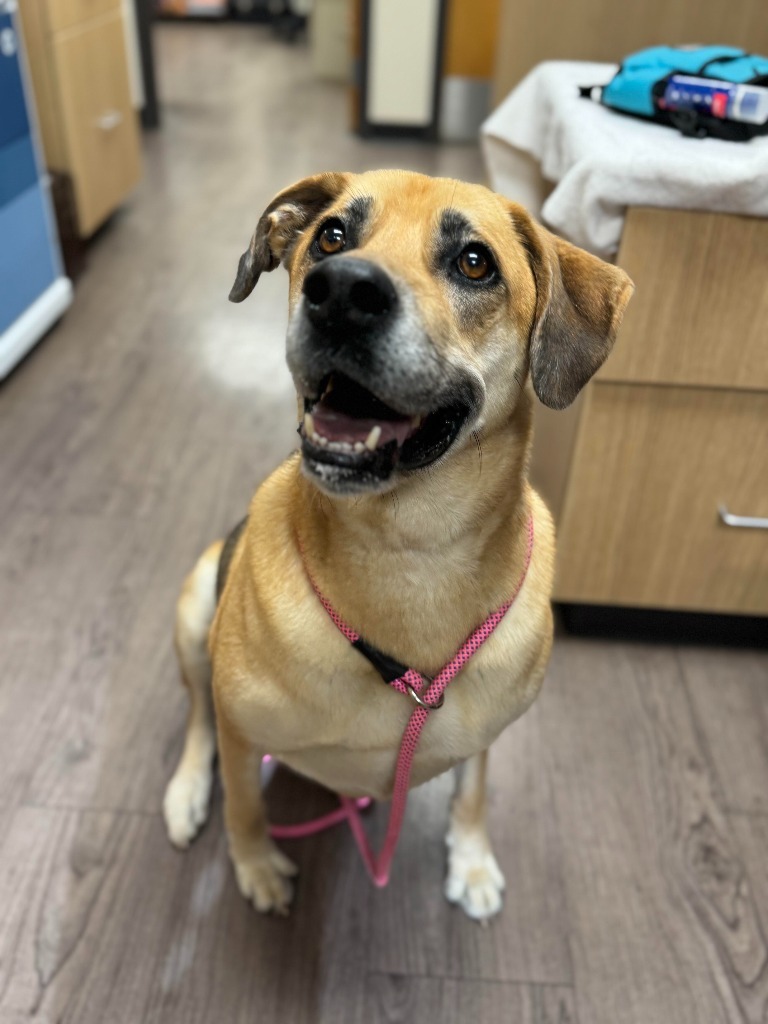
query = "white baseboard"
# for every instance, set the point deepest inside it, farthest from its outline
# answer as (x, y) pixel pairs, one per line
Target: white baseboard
(25, 332)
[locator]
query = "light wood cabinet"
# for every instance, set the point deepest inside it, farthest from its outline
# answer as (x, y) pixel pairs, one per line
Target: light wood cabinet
(89, 127)
(651, 468)
(64, 14)
(674, 428)
(700, 312)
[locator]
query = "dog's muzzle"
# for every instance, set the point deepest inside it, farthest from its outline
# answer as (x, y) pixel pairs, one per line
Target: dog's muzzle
(377, 395)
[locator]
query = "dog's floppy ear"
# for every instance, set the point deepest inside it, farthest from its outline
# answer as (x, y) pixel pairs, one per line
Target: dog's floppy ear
(288, 214)
(580, 301)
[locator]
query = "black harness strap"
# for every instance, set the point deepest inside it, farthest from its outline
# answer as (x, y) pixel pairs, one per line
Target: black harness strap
(388, 668)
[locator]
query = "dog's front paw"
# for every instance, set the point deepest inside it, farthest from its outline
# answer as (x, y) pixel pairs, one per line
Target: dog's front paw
(185, 806)
(263, 877)
(474, 879)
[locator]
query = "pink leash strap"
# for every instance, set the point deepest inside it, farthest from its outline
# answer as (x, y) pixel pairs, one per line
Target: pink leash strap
(428, 695)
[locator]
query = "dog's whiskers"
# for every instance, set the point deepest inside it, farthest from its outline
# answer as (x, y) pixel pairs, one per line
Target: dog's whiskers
(478, 444)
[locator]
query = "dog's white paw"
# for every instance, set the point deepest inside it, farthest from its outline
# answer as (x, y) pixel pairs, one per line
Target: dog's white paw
(185, 806)
(474, 879)
(263, 877)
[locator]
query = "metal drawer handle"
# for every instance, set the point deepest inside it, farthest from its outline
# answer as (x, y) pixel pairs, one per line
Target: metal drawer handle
(750, 522)
(109, 120)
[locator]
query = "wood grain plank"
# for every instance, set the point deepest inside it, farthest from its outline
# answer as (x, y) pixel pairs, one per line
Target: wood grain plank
(65, 586)
(27, 666)
(103, 921)
(398, 999)
(126, 449)
(728, 690)
(750, 835)
(415, 931)
(112, 725)
(664, 922)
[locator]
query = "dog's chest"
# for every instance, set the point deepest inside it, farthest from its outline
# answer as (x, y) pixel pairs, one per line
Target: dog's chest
(343, 724)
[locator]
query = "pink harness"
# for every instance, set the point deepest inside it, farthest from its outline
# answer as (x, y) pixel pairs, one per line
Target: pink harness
(428, 695)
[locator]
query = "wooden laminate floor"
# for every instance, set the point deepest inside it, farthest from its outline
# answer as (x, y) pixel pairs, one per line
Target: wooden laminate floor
(629, 807)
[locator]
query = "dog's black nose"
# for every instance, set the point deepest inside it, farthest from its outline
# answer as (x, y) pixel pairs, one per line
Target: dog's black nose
(348, 292)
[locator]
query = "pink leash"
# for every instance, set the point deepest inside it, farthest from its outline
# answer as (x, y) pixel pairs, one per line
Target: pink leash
(428, 695)
(310, 828)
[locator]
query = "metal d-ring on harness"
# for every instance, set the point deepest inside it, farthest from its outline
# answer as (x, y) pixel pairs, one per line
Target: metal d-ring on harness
(428, 695)
(422, 703)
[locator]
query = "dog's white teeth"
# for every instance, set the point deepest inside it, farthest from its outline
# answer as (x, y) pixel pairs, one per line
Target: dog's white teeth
(341, 446)
(333, 446)
(373, 438)
(416, 421)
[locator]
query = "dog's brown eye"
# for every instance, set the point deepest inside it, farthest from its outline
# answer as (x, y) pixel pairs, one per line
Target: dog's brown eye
(332, 237)
(474, 263)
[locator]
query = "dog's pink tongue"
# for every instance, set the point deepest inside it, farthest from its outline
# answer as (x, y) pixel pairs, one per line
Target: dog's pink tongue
(338, 426)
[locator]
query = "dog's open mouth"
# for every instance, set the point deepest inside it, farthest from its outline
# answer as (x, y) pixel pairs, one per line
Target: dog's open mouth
(350, 438)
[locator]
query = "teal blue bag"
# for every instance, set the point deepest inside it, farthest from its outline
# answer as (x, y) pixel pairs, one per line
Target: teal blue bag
(641, 87)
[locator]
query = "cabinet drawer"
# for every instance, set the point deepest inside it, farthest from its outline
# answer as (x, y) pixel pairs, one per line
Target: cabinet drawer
(700, 307)
(100, 123)
(640, 524)
(63, 14)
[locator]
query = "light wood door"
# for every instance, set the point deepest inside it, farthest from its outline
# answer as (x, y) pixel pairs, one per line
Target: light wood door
(700, 308)
(100, 123)
(640, 524)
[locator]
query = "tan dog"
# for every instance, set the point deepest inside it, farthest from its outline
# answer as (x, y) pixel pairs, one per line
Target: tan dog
(419, 310)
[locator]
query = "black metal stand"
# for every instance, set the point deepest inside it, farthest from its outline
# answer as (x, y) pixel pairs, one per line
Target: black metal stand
(150, 114)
